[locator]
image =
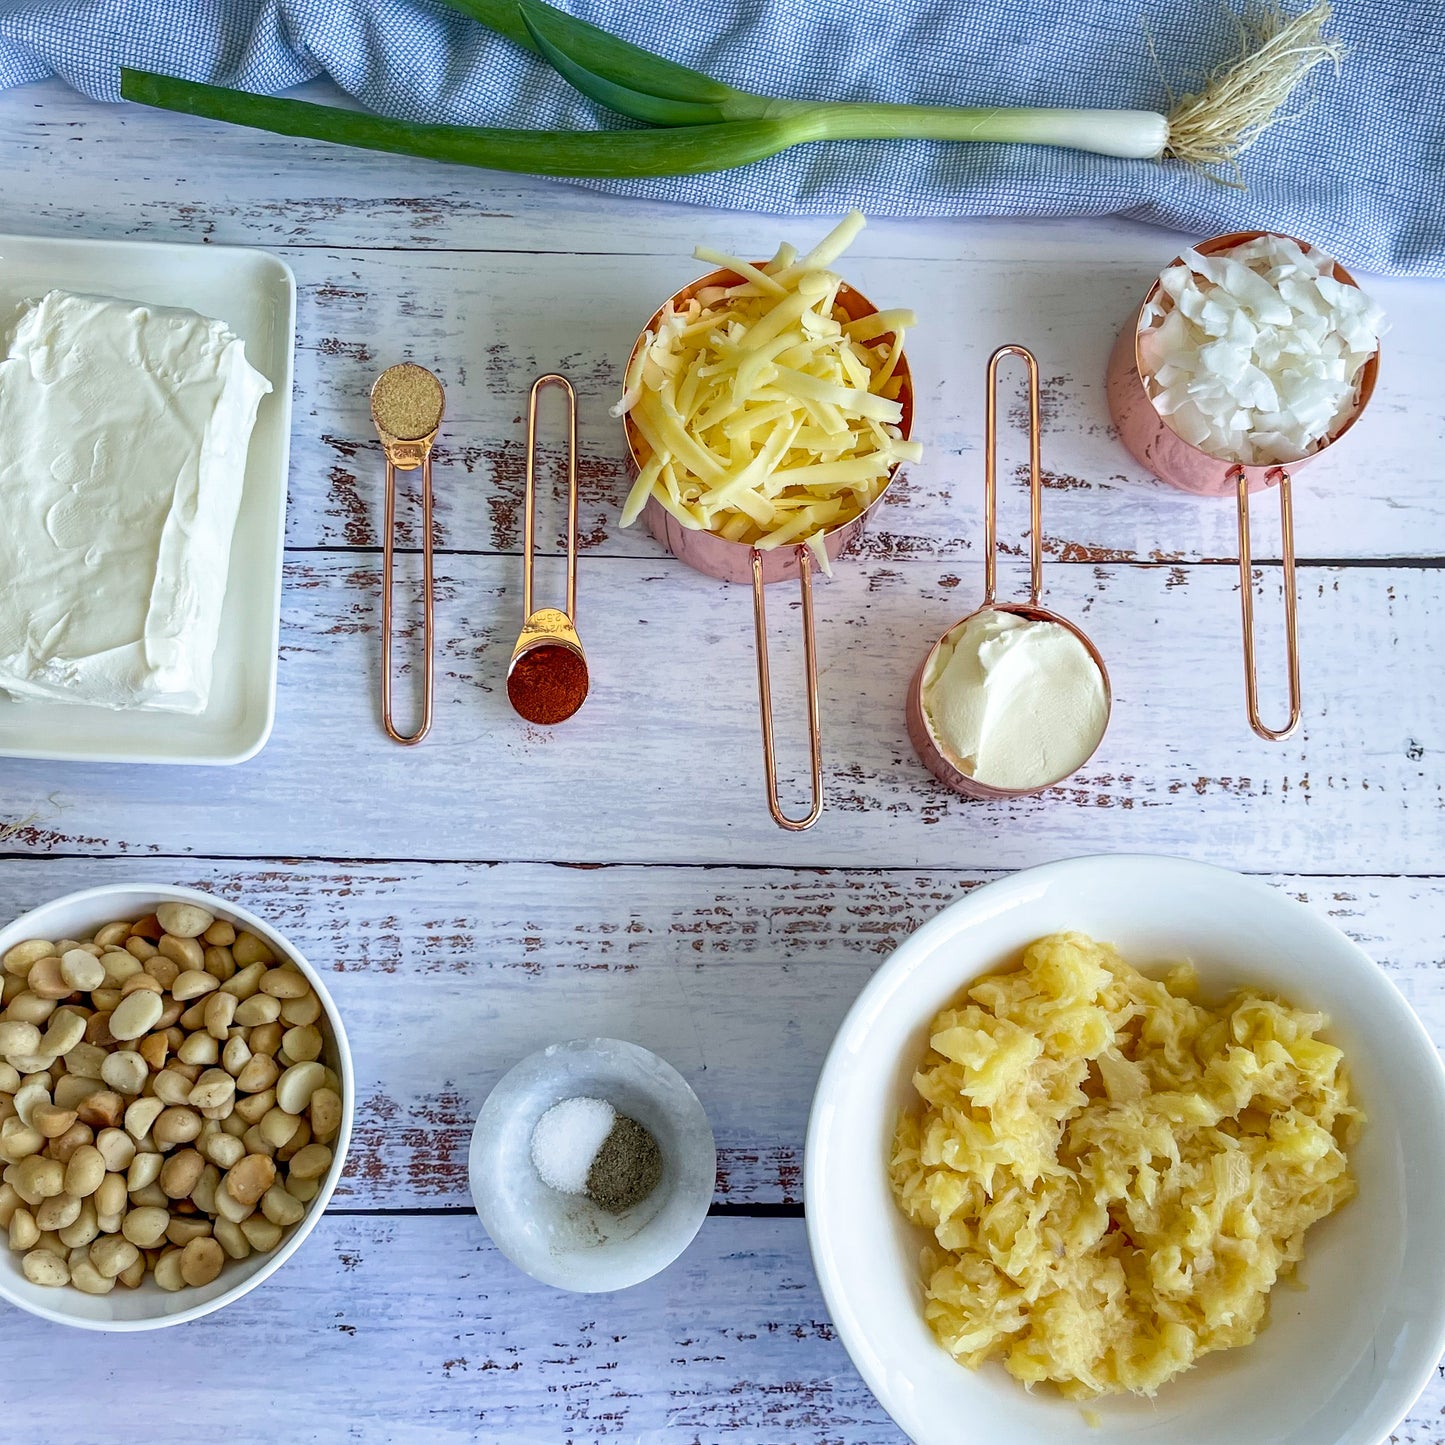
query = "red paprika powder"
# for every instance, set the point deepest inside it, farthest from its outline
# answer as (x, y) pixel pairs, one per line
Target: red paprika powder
(547, 683)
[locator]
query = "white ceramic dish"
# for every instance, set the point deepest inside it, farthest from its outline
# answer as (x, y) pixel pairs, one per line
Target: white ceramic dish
(149, 1307)
(255, 294)
(565, 1241)
(1339, 1364)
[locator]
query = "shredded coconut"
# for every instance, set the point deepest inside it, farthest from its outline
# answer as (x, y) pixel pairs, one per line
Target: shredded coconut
(1254, 354)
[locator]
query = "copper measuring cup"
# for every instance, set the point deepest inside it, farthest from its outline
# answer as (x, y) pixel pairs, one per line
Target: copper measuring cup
(948, 769)
(740, 562)
(1156, 446)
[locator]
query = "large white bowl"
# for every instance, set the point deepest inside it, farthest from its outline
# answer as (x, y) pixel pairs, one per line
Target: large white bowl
(149, 1307)
(1340, 1363)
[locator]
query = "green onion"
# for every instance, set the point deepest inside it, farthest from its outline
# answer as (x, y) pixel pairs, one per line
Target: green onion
(617, 154)
(1210, 129)
(624, 81)
(701, 124)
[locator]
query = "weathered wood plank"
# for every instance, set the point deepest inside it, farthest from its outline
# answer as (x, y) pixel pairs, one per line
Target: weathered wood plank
(488, 319)
(662, 764)
(447, 974)
(416, 1328)
(384, 1330)
(488, 323)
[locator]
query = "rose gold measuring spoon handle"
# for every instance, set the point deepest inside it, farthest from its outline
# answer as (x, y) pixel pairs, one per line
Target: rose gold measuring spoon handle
(765, 692)
(552, 378)
(428, 606)
(1246, 605)
(990, 477)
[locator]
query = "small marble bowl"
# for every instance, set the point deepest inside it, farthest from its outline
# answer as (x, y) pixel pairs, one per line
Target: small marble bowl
(565, 1240)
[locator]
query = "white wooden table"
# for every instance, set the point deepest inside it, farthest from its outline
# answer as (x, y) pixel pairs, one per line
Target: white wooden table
(503, 886)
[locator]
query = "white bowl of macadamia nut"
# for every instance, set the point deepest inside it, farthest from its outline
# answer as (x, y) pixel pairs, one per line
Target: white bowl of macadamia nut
(175, 1105)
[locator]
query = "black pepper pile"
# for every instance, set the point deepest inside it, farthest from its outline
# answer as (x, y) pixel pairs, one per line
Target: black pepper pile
(628, 1167)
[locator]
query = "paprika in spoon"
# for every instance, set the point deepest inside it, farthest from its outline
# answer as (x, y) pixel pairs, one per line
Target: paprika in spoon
(547, 677)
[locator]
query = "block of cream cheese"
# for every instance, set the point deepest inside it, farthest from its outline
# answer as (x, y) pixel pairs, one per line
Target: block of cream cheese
(123, 438)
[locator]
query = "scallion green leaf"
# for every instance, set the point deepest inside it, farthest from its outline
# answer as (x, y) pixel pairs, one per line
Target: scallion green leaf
(613, 154)
(616, 60)
(639, 105)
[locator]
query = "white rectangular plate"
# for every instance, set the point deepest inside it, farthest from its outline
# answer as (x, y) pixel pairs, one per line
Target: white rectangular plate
(255, 295)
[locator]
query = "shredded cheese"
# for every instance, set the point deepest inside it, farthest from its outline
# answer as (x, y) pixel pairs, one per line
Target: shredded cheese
(762, 410)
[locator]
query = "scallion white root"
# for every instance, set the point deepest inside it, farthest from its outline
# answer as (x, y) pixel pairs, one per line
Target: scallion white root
(1212, 129)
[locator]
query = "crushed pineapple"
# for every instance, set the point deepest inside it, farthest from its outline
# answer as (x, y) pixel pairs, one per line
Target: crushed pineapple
(1114, 1174)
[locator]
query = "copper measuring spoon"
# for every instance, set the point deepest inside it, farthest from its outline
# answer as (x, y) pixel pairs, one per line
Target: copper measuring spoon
(730, 561)
(944, 765)
(407, 402)
(548, 653)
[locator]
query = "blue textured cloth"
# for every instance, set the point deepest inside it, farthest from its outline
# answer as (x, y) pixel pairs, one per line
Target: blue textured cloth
(1360, 170)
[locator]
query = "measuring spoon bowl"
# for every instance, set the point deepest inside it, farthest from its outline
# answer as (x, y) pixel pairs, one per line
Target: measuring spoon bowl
(407, 402)
(1148, 435)
(548, 630)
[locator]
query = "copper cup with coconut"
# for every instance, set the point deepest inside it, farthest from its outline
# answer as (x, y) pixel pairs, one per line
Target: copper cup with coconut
(1252, 354)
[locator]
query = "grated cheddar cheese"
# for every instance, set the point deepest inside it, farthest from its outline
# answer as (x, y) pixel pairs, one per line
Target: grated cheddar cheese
(762, 410)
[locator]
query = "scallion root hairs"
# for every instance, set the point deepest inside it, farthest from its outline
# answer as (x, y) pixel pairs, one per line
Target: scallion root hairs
(1241, 100)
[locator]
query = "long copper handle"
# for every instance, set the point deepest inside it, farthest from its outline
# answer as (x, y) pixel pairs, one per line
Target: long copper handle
(552, 378)
(1246, 604)
(990, 477)
(765, 691)
(428, 612)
